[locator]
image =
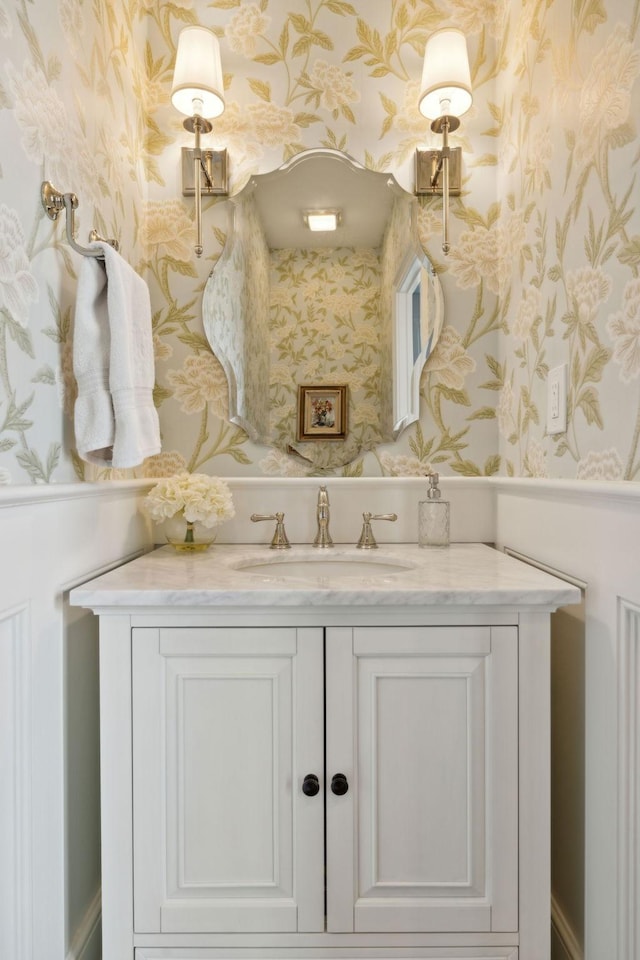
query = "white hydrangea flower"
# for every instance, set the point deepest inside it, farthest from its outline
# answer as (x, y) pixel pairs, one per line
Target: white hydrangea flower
(450, 363)
(281, 373)
(271, 125)
(18, 287)
(201, 382)
(335, 86)
(504, 410)
(536, 460)
(278, 464)
(624, 328)
(196, 496)
(41, 116)
(366, 333)
(528, 310)
(395, 465)
(486, 254)
(244, 28)
(601, 465)
(167, 227)
(164, 464)
(5, 29)
(366, 413)
(588, 287)
(408, 118)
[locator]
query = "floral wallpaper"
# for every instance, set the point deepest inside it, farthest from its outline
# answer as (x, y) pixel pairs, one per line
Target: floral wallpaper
(566, 115)
(544, 267)
(67, 114)
(325, 329)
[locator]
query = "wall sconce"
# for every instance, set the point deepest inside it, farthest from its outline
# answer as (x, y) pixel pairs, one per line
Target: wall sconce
(445, 96)
(198, 92)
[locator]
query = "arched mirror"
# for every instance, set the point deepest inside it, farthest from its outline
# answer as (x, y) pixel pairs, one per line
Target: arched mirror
(323, 333)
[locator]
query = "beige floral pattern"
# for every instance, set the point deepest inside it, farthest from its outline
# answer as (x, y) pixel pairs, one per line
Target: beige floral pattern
(244, 29)
(605, 100)
(473, 16)
(167, 464)
(450, 363)
(200, 383)
(601, 465)
(405, 466)
(333, 85)
(486, 253)
(545, 259)
(331, 339)
(624, 328)
(17, 286)
(167, 228)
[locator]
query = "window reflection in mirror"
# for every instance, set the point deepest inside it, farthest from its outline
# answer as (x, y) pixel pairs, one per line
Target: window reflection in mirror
(284, 307)
(417, 320)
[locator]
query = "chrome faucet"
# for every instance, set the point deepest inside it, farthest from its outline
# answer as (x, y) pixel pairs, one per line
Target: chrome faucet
(323, 537)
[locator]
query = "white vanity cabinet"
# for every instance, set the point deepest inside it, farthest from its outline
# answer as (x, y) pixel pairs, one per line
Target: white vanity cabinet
(421, 729)
(324, 779)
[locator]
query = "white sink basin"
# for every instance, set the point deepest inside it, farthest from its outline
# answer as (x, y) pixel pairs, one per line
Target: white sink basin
(303, 568)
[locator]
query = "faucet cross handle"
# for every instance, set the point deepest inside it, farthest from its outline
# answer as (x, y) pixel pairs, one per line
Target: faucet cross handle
(280, 540)
(367, 540)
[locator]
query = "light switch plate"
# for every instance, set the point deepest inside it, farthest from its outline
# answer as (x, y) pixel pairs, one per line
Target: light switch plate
(557, 400)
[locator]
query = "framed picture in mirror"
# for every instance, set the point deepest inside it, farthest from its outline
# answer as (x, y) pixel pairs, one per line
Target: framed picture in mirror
(322, 412)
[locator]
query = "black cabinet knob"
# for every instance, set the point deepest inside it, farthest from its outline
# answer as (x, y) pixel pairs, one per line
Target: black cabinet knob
(339, 784)
(310, 785)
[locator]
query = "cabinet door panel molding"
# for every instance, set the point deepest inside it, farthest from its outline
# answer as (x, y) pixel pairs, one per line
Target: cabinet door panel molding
(216, 781)
(434, 721)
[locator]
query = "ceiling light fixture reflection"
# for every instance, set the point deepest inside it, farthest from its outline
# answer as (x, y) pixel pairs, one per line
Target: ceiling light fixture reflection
(322, 220)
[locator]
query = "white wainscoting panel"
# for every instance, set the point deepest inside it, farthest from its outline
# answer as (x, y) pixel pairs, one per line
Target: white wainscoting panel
(15, 783)
(591, 531)
(52, 538)
(628, 780)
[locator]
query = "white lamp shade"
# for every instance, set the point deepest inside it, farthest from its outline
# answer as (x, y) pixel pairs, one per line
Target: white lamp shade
(446, 79)
(198, 74)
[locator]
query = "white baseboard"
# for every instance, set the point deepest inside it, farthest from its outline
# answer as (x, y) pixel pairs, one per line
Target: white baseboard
(86, 942)
(564, 932)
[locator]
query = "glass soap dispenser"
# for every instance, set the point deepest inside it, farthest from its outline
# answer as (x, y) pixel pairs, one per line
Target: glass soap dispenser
(433, 517)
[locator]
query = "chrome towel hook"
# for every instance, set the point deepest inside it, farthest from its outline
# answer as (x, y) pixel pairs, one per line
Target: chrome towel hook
(54, 202)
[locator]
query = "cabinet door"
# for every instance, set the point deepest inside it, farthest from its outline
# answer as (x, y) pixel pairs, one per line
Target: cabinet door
(227, 722)
(423, 722)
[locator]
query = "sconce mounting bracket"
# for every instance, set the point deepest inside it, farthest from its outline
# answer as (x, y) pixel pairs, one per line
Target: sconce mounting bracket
(426, 166)
(215, 162)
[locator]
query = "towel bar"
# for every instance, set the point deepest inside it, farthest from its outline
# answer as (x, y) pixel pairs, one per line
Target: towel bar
(54, 202)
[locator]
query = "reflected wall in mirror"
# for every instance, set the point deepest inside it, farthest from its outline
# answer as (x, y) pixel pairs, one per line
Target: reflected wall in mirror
(360, 305)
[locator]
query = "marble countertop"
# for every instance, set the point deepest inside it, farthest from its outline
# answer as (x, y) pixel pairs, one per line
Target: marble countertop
(395, 574)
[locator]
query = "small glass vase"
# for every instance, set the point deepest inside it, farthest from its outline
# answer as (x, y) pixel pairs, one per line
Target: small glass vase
(189, 544)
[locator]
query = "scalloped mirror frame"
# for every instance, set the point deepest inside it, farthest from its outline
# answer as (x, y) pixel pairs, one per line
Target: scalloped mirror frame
(284, 306)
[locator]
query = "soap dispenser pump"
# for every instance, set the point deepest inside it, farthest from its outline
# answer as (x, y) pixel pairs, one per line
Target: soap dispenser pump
(433, 517)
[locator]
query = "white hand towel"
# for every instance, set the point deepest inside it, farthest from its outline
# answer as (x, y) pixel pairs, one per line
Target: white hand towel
(116, 422)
